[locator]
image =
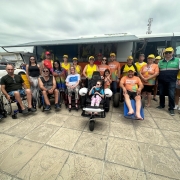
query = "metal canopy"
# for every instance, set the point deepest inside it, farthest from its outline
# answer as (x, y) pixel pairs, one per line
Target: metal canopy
(108, 39)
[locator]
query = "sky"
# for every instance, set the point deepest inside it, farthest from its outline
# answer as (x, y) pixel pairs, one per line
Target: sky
(23, 21)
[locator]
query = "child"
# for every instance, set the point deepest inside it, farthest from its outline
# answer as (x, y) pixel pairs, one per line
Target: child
(107, 79)
(97, 93)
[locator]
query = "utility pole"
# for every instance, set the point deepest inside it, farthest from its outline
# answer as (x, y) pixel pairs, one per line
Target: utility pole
(149, 26)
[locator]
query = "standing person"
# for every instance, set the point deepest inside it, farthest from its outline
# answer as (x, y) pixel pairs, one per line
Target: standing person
(32, 73)
(115, 71)
(103, 66)
(99, 60)
(177, 95)
(65, 64)
(48, 62)
(107, 79)
(130, 65)
(77, 67)
(140, 62)
(157, 59)
(72, 83)
(167, 79)
(89, 69)
(148, 74)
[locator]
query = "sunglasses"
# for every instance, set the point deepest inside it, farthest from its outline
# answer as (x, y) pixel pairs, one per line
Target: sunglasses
(98, 84)
(46, 71)
(32, 59)
(168, 52)
(104, 59)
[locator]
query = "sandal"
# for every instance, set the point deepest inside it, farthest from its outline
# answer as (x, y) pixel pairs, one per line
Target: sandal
(69, 108)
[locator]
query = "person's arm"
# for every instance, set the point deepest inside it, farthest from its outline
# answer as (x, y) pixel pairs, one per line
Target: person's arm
(41, 85)
(27, 72)
(67, 81)
(80, 71)
(122, 69)
(178, 78)
(3, 90)
(109, 79)
(140, 87)
(77, 83)
(42, 67)
(122, 83)
(101, 94)
(97, 68)
(91, 91)
(84, 71)
(155, 74)
(119, 67)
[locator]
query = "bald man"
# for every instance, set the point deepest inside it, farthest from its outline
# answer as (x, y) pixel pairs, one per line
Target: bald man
(13, 85)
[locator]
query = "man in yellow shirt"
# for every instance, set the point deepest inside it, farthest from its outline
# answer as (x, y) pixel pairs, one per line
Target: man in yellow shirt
(140, 62)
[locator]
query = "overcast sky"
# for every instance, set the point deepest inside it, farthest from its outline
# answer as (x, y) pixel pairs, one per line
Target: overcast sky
(24, 21)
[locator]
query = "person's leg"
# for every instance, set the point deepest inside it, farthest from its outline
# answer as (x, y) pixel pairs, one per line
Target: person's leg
(93, 100)
(171, 94)
(18, 99)
(46, 99)
(162, 87)
(138, 107)
(177, 95)
(114, 86)
(76, 91)
(128, 103)
(56, 95)
(29, 97)
(155, 92)
(69, 97)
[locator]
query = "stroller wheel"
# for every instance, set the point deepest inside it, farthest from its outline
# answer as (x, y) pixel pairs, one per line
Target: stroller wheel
(91, 125)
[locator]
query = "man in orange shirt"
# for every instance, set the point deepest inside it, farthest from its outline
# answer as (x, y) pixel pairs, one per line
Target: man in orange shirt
(132, 86)
(115, 72)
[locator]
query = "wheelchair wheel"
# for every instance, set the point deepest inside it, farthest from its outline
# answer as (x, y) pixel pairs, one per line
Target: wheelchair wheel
(116, 100)
(143, 102)
(7, 105)
(91, 125)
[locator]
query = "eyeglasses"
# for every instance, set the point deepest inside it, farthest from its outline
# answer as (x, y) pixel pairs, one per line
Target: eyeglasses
(10, 69)
(32, 59)
(45, 71)
(168, 52)
(104, 59)
(98, 84)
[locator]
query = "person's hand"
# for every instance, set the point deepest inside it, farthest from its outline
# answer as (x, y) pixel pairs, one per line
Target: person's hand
(8, 97)
(102, 77)
(96, 93)
(138, 92)
(124, 91)
(50, 91)
(178, 82)
(145, 79)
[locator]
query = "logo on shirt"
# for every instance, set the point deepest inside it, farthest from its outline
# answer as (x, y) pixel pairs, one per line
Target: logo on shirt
(73, 79)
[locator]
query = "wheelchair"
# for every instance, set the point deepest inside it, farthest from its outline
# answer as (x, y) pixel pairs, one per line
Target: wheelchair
(8, 105)
(86, 101)
(3, 112)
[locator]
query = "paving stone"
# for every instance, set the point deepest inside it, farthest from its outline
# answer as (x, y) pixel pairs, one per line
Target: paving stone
(91, 145)
(15, 157)
(81, 168)
(42, 133)
(151, 136)
(124, 152)
(117, 172)
(160, 160)
(6, 141)
(45, 165)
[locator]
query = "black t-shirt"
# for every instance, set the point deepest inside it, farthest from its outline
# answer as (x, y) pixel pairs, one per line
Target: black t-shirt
(12, 84)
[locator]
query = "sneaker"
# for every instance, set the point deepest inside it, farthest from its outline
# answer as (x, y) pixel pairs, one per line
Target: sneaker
(57, 107)
(25, 111)
(160, 107)
(47, 108)
(176, 107)
(32, 109)
(171, 112)
(1, 116)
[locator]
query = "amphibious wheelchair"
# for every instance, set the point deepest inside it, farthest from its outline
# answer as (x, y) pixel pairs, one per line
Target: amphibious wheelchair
(86, 101)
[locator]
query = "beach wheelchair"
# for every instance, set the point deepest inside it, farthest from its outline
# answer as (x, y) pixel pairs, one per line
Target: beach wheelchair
(86, 101)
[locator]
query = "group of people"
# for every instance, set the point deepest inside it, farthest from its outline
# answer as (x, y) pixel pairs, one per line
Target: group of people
(52, 77)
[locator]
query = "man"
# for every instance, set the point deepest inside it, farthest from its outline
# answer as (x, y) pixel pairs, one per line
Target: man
(48, 62)
(167, 78)
(132, 86)
(130, 65)
(115, 71)
(140, 62)
(47, 84)
(12, 85)
(99, 60)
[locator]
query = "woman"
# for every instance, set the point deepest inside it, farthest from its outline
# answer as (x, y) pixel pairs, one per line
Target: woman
(89, 69)
(72, 83)
(33, 72)
(77, 67)
(177, 95)
(60, 75)
(148, 74)
(65, 64)
(103, 66)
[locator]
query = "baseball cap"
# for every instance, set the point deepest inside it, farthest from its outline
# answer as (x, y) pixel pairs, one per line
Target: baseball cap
(47, 53)
(141, 55)
(91, 57)
(169, 49)
(158, 57)
(151, 56)
(65, 56)
(75, 58)
(99, 54)
(130, 57)
(132, 70)
(112, 54)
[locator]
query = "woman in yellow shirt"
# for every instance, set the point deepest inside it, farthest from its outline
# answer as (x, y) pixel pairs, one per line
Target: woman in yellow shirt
(76, 66)
(89, 69)
(65, 64)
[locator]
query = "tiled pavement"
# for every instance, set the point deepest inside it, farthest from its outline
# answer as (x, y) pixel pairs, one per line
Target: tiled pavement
(60, 146)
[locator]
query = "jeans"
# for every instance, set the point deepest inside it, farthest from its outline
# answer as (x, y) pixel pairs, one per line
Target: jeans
(170, 87)
(114, 87)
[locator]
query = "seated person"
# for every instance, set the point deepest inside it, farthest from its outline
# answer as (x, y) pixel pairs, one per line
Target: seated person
(132, 86)
(72, 83)
(47, 84)
(13, 85)
(97, 93)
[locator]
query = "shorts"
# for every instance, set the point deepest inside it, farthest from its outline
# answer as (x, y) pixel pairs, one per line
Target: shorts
(147, 88)
(21, 92)
(132, 95)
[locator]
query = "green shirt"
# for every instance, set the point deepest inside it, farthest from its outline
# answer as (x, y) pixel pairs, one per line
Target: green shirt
(12, 84)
